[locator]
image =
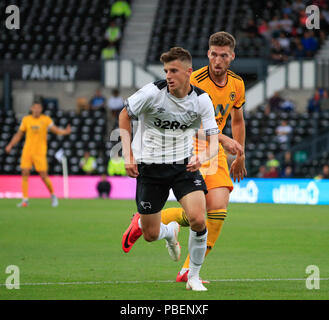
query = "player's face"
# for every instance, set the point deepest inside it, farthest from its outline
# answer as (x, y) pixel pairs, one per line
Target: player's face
(220, 59)
(177, 75)
(36, 110)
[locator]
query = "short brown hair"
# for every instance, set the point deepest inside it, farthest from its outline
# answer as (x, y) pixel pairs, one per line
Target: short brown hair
(176, 53)
(222, 39)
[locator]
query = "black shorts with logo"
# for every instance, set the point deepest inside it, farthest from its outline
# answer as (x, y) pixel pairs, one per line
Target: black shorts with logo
(155, 181)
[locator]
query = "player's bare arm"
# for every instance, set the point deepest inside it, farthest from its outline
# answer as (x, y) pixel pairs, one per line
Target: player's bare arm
(125, 134)
(230, 145)
(238, 169)
(15, 139)
(210, 152)
(60, 131)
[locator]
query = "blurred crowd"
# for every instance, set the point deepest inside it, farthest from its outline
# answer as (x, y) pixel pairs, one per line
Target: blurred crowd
(120, 12)
(273, 168)
(285, 29)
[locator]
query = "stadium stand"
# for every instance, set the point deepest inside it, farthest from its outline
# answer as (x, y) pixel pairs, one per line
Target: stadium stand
(89, 131)
(51, 32)
(281, 28)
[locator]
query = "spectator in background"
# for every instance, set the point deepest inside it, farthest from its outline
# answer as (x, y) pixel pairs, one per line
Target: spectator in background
(287, 173)
(251, 29)
(109, 52)
(113, 35)
(272, 165)
(88, 163)
(284, 42)
(286, 23)
(115, 104)
(274, 103)
(287, 106)
(272, 172)
(261, 172)
(287, 162)
(278, 55)
(314, 104)
(324, 174)
(120, 9)
(97, 102)
(82, 104)
(283, 132)
(287, 10)
(104, 187)
(320, 94)
(274, 26)
(302, 18)
(310, 43)
(263, 30)
(298, 49)
(298, 5)
(116, 166)
(322, 35)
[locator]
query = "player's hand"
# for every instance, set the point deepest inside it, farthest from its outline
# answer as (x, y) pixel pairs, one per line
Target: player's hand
(8, 148)
(68, 129)
(194, 164)
(131, 168)
(232, 146)
(238, 169)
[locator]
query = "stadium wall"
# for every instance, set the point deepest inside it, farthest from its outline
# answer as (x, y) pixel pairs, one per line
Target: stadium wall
(287, 191)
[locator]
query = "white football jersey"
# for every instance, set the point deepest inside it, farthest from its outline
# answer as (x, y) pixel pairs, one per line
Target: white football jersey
(167, 124)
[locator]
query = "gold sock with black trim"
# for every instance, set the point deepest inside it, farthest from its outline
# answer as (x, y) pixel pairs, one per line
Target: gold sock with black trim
(174, 214)
(215, 222)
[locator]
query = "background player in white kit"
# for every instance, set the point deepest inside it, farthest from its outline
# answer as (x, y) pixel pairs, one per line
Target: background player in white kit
(169, 112)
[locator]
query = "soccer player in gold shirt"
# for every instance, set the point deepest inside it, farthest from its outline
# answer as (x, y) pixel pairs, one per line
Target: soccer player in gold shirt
(35, 128)
(227, 92)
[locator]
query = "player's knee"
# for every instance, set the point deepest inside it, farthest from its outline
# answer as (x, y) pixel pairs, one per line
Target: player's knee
(150, 235)
(197, 222)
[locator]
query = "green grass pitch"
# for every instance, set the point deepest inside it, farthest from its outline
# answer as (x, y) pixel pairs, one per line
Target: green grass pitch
(74, 252)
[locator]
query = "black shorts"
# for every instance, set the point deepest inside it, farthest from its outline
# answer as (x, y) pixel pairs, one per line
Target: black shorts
(155, 181)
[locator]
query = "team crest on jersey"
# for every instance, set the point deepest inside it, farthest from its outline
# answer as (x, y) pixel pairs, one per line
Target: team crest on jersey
(232, 95)
(193, 115)
(161, 110)
(35, 128)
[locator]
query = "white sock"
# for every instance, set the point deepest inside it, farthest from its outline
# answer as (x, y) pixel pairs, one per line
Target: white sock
(197, 248)
(166, 231)
(139, 223)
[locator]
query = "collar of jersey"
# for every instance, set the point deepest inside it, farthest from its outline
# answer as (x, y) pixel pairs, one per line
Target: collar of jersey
(217, 85)
(192, 89)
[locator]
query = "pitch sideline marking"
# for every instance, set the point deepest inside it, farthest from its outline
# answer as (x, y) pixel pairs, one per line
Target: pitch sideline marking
(153, 281)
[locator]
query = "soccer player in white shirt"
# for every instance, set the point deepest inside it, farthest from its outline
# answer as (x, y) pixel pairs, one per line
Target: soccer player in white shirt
(169, 113)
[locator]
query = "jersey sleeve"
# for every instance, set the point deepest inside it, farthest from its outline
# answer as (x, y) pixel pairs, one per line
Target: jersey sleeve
(140, 101)
(23, 125)
(50, 122)
(241, 96)
(208, 115)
